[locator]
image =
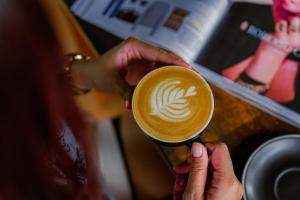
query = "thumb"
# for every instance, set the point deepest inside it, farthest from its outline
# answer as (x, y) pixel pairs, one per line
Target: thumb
(197, 178)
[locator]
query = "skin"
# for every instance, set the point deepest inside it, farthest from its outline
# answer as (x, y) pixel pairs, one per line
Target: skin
(283, 85)
(207, 177)
(268, 55)
(120, 69)
(269, 62)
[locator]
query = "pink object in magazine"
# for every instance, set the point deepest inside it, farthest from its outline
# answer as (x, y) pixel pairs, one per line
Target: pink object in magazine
(234, 72)
(283, 85)
(284, 9)
(269, 64)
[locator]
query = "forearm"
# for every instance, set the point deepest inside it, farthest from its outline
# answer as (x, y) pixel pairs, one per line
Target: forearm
(265, 63)
(97, 74)
(120, 68)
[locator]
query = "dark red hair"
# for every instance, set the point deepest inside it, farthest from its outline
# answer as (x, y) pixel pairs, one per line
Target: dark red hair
(34, 102)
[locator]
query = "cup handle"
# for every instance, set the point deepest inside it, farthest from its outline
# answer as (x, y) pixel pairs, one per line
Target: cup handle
(196, 139)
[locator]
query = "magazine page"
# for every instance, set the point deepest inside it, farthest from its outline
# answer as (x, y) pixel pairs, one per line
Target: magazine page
(255, 55)
(182, 26)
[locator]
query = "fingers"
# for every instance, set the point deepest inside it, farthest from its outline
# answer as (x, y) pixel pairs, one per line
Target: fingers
(155, 54)
(181, 171)
(281, 32)
(183, 168)
(281, 27)
(124, 89)
(294, 25)
(180, 184)
(137, 50)
(288, 31)
(198, 171)
(224, 184)
(221, 163)
(294, 31)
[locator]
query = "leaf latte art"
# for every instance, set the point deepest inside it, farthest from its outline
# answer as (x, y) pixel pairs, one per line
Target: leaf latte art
(170, 102)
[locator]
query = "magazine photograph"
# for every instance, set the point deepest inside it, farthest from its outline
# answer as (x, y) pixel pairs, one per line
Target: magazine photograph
(150, 99)
(247, 47)
(258, 48)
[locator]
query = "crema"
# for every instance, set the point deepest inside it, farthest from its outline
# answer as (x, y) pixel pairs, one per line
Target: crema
(172, 104)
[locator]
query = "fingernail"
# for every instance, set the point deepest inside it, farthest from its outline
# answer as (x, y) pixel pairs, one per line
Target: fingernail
(197, 150)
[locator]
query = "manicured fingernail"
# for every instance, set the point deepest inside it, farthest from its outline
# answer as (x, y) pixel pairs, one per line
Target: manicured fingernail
(197, 150)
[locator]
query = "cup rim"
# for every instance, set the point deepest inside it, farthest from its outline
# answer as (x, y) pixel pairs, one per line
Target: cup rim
(256, 151)
(194, 135)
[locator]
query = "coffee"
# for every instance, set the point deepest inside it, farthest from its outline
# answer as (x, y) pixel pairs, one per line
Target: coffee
(172, 104)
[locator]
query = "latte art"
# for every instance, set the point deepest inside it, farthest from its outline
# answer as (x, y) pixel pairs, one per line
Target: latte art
(170, 102)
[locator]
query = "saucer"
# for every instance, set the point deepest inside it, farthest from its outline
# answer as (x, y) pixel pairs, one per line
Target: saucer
(273, 170)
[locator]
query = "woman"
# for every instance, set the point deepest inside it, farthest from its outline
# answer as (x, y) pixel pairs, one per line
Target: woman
(271, 71)
(38, 113)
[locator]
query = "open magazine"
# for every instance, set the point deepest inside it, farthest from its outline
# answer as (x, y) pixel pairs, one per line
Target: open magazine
(250, 49)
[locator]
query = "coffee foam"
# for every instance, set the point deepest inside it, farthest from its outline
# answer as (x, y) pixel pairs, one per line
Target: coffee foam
(172, 104)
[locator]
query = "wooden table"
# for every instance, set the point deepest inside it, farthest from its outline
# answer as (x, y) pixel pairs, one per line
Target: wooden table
(240, 125)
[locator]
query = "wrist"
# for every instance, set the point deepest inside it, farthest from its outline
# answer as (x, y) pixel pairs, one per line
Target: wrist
(74, 69)
(93, 74)
(80, 74)
(271, 52)
(265, 63)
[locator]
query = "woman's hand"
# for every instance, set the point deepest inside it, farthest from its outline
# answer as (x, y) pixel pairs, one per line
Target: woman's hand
(269, 57)
(120, 69)
(204, 177)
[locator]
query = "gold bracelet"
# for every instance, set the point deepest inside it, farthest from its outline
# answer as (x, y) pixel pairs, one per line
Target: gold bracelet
(69, 60)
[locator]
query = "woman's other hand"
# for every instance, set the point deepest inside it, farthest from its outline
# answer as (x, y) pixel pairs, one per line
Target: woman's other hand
(120, 69)
(196, 181)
